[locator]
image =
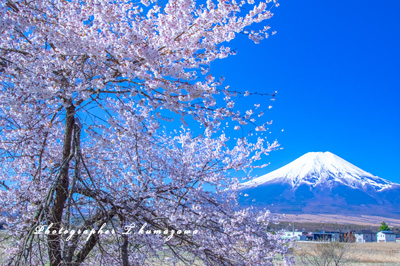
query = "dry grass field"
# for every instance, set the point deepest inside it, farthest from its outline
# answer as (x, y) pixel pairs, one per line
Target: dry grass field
(368, 254)
(3, 245)
(362, 254)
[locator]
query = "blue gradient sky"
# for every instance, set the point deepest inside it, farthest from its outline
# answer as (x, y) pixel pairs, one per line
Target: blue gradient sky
(336, 68)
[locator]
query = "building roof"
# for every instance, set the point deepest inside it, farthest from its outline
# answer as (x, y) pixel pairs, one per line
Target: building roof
(386, 232)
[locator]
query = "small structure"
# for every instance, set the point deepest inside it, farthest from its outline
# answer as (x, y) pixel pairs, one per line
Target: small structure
(335, 236)
(292, 234)
(398, 239)
(385, 236)
(323, 236)
(365, 236)
(303, 237)
(347, 236)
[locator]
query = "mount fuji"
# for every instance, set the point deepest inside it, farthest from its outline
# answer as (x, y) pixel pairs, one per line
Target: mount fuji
(322, 183)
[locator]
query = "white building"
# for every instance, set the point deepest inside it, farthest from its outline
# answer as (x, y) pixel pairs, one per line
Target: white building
(385, 236)
(365, 236)
(290, 234)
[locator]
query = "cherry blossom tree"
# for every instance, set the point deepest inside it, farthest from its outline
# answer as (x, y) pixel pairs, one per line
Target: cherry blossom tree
(85, 89)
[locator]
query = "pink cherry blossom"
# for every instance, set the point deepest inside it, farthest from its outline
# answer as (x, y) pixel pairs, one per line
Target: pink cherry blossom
(86, 90)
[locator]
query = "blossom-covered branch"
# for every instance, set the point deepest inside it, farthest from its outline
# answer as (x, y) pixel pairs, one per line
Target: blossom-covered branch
(85, 87)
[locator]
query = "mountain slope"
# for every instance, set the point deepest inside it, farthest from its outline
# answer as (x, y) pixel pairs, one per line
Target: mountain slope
(321, 182)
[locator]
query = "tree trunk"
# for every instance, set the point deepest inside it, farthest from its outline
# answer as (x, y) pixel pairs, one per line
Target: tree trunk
(61, 191)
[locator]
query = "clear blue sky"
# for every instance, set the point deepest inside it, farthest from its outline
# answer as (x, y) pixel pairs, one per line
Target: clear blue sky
(336, 68)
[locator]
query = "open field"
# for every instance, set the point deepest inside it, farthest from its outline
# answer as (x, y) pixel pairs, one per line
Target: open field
(368, 254)
(3, 245)
(362, 254)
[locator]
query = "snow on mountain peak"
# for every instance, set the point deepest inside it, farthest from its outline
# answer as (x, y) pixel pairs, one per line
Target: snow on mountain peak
(320, 168)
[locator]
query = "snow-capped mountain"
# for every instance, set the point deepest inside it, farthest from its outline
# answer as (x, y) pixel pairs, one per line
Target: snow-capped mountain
(321, 182)
(317, 168)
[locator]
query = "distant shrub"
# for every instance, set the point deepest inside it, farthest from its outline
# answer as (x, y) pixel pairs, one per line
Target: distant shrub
(332, 253)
